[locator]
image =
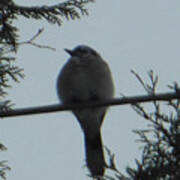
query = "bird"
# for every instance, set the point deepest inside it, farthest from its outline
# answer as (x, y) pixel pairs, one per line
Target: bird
(85, 78)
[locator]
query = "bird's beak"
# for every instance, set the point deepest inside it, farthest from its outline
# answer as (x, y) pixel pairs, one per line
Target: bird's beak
(70, 52)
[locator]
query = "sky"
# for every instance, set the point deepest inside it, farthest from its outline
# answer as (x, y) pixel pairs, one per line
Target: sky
(130, 35)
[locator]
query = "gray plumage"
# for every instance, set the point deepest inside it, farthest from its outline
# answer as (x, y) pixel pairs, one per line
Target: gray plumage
(86, 77)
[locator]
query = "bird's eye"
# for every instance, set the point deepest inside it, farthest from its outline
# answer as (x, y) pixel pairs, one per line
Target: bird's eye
(93, 53)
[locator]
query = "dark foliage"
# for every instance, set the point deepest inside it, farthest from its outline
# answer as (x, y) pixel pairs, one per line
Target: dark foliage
(3, 164)
(161, 151)
(161, 140)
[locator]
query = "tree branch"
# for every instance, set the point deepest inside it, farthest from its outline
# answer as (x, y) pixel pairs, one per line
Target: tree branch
(119, 101)
(54, 13)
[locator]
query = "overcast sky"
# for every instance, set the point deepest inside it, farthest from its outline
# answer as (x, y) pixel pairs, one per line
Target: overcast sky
(129, 34)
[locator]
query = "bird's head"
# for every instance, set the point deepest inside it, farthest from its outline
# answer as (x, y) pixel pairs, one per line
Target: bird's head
(82, 51)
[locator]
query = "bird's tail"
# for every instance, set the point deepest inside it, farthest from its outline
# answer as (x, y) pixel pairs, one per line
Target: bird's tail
(94, 155)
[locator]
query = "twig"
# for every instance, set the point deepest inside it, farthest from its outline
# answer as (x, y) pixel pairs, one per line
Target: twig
(30, 41)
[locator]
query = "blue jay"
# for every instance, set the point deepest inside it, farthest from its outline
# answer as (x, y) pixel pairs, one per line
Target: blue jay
(86, 77)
